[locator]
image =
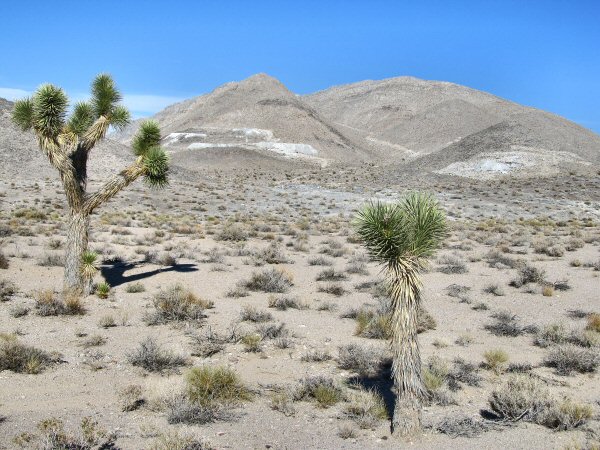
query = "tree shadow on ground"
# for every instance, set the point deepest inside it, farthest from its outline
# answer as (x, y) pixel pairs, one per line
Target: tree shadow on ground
(380, 382)
(114, 273)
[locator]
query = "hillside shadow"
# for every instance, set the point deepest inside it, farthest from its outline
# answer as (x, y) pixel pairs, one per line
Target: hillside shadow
(114, 273)
(382, 383)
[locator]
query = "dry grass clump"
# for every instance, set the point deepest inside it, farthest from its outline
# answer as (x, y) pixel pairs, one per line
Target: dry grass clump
(320, 389)
(270, 280)
(435, 374)
(7, 290)
(283, 401)
(495, 360)
(252, 343)
(320, 261)
(331, 275)
(131, 397)
(569, 358)
(150, 356)
(316, 355)
(366, 361)
(332, 288)
(208, 385)
(53, 436)
(551, 334)
(365, 407)
(176, 303)
(178, 441)
(252, 314)
(21, 358)
(47, 303)
(233, 233)
(495, 289)
(593, 322)
(452, 265)
(525, 398)
(135, 288)
(284, 302)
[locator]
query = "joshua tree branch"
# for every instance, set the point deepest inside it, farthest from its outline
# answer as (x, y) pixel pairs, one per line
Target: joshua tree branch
(113, 186)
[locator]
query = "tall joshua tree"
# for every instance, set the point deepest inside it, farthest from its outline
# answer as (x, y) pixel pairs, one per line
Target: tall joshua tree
(67, 142)
(401, 237)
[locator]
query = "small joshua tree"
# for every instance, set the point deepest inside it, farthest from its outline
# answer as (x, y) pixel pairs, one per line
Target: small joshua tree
(67, 142)
(401, 238)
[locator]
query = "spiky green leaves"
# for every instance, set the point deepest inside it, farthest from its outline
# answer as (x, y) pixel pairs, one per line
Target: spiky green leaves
(82, 118)
(105, 99)
(22, 114)
(105, 95)
(45, 111)
(148, 136)
(88, 265)
(156, 167)
(413, 228)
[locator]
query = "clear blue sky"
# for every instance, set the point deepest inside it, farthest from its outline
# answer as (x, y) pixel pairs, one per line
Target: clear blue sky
(540, 53)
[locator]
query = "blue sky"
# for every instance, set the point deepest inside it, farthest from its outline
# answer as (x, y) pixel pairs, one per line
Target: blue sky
(540, 53)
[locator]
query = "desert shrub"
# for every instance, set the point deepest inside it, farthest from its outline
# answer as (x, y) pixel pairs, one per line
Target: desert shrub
(47, 303)
(332, 248)
(270, 280)
(551, 334)
(569, 358)
(131, 397)
(107, 321)
(176, 303)
(461, 426)
(452, 265)
(585, 338)
(21, 358)
(135, 288)
(316, 356)
(499, 260)
(283, 303)
(252, 343)
(3, 261)
(320, 261)
(237, 292)
(366, 408)
(435, 373)
(52, 260)
(53, 436)
(7, 290)
(177, 441)
(593, 322)
(528, 274)
(211, 343)
(358, 267)
(17, 311)
(332, 288)
(331, 275)
(495, 360)
(208, 385)
(327, 306)
(566, 415)
(181, 410)
(464, 340)
(425, 321)
(150, 356)
(364, 360)
(520, 397)
(574, 244)
(507, 324)
(462, 372)
(251, 314)
(272, 254)
(103, 289)
(283, 402)
(549, 249)
(272, 331)
(232, 232)
(457, 290)
(495, 289)
(321, 389)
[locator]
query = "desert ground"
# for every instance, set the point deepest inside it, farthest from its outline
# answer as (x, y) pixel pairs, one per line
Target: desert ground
(280, 291)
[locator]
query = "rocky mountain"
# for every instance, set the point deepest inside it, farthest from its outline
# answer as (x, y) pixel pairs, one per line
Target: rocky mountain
(411, 124)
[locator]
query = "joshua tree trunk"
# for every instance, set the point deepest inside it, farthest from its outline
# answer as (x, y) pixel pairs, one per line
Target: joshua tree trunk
(405, 292)
(77, 242)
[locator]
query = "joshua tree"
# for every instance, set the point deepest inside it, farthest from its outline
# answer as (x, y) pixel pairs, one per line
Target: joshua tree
(67, 142)
(401, 237)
